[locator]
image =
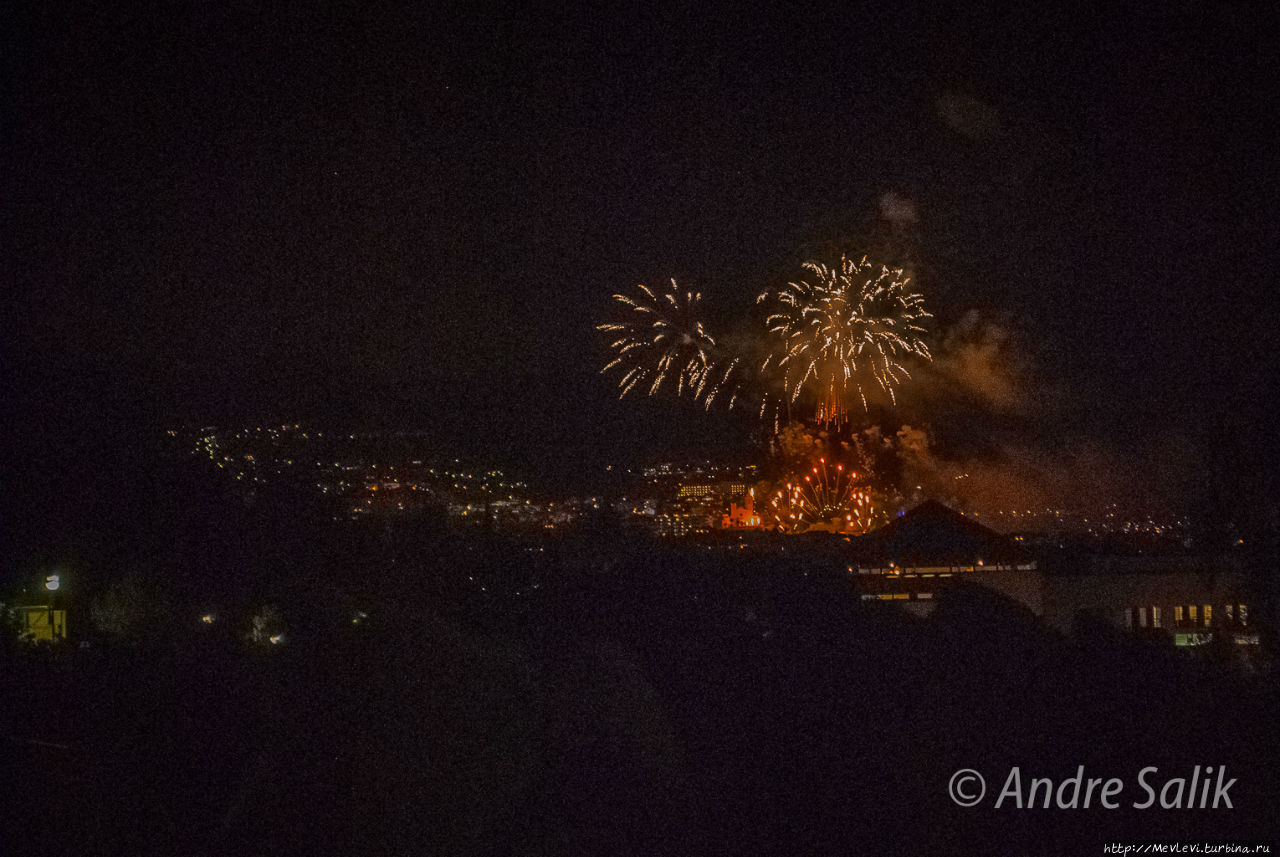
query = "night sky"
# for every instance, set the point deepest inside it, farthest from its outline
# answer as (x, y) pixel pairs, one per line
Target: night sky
(360, 215)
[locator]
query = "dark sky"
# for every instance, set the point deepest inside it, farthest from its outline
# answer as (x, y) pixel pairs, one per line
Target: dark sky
(361, 214)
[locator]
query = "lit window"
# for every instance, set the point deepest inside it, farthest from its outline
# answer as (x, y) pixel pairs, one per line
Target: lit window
(1191, 612)
(1208, 614)
(1142, 617)
(1177, 614)
(1231, 611)
(1244, 614)
(1155, 617)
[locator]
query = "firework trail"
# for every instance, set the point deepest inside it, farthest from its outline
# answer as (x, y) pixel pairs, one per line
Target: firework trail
(661, 340)
(840, 329)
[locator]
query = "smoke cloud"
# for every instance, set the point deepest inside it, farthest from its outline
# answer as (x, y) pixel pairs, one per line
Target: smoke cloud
(897, 209)
(984, 429)
(1086, 476)
(967, 115)
(982, 363)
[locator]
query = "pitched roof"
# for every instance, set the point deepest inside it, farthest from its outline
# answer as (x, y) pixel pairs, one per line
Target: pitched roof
(933, 534)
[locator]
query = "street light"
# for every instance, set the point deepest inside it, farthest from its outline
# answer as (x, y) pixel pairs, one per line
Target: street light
(53, 582)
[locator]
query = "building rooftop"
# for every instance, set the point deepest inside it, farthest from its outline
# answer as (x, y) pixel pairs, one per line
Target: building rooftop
(932, 534)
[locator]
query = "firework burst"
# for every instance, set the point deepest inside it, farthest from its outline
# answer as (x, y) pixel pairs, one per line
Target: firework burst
(841, 329)
(660, 340)
(825, 496)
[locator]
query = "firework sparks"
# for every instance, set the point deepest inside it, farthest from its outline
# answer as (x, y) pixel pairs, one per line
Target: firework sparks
(826, 497)
(661, 340)
(841, 328)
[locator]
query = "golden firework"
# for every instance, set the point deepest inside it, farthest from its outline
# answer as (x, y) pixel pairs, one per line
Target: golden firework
(841, 329)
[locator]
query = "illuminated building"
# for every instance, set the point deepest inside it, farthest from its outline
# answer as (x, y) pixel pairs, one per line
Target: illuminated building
(696, 491)
(674, 525)
(744, 516)
(932, 548)
(42, 623)
(1188, 598)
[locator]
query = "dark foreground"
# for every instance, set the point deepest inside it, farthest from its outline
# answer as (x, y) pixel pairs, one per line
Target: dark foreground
(650, 703)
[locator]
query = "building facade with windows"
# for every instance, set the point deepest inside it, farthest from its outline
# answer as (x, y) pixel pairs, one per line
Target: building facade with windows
(930, 548)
